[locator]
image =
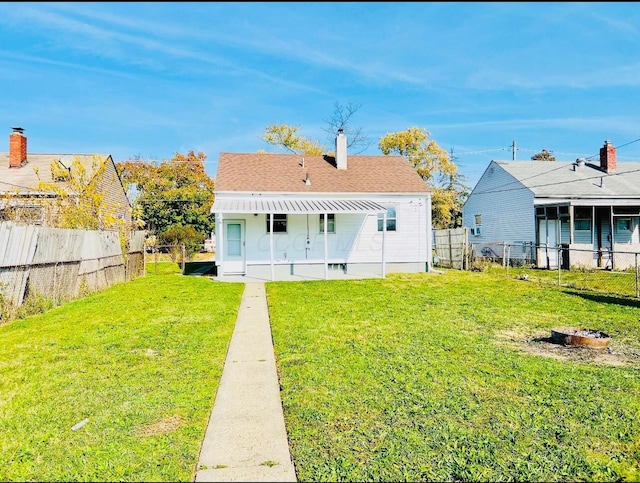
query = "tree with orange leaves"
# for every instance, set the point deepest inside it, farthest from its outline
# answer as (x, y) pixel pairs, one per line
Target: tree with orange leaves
(172, 193)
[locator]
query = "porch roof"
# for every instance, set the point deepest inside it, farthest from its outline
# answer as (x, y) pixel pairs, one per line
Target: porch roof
(295, 205)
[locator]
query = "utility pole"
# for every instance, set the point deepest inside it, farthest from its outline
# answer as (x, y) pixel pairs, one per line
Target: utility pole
(513, 148)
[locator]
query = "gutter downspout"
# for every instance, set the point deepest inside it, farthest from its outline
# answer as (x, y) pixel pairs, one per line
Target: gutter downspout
(429, 235)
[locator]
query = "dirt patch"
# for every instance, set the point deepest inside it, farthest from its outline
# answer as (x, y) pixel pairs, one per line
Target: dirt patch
(165, 425)
(544, 345)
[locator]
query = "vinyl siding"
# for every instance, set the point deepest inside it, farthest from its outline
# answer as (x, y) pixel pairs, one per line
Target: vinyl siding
(356, 238)
(115, 198)
(505, 205)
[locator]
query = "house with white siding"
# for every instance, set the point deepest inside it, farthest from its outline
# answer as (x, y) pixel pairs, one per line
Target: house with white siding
(590, 208)
(296, 217)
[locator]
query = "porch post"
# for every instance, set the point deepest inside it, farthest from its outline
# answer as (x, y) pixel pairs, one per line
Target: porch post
(546, 240)
(571, 232)
(273, 277)
(220, 245)
(611, 230)
(429, 234)
(384, 237)
(593, 226)
(326, 247)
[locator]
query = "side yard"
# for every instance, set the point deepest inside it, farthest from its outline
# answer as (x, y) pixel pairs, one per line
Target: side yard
(453, 377)
(117, 386)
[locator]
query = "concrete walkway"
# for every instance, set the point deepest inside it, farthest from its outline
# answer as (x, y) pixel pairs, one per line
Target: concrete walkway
(246, 439)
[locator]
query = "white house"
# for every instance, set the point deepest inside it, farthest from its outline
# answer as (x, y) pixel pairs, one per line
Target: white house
(591, 209)
(289, 216)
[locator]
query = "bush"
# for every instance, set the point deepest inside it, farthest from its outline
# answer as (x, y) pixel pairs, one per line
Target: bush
(480, 265)
(178, 235)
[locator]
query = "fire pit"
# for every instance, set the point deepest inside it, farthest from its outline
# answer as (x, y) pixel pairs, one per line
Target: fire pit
(579, 336)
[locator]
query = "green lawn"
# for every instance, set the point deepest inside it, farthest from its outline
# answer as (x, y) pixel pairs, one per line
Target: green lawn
(141, 361)
(449, 377)
(411, 378)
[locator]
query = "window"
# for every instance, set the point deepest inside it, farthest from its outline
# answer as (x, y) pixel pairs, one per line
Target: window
(478, 219)
(331, 223)
(391, 219)
(582, 225)
(623, 224)
(279, 223)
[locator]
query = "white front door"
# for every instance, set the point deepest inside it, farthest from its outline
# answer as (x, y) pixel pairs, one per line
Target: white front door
(548, 230)
(234, 255)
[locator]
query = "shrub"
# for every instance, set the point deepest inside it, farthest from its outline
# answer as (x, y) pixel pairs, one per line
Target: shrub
(178, 235)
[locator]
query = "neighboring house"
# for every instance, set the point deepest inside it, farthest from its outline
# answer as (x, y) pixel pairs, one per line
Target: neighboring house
(283, 216)
(22, 172)
(591, 209)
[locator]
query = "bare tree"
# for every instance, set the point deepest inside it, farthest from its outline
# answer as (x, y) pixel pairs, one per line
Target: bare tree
(340, 119)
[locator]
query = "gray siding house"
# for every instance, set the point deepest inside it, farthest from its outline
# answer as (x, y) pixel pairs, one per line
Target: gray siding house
(21, 173)
(591, 209)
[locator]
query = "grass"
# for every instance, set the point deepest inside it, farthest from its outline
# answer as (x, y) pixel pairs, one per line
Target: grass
(411, 378)
(137, 364)
(448, 378)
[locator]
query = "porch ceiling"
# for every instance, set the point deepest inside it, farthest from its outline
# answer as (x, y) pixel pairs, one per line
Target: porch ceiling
(295, 205)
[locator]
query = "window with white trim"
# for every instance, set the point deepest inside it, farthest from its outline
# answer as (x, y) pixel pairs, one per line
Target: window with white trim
(391, 219)
(623, 224)
(279, 223)
(331, 223)
(477, 229)
(582, 225)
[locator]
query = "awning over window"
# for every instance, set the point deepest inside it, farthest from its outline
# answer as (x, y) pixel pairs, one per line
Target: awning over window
(295, 206)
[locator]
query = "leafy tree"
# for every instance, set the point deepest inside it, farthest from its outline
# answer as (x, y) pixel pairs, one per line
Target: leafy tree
(286, 137)
(435, 167)
(79, 197)
(174, 192)
(544, 155)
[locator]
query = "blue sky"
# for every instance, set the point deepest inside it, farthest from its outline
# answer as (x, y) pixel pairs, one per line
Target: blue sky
(151, 79)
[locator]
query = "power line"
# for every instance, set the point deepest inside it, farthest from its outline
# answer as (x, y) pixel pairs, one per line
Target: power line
(502, 190)
(483, 151)
(630, 142)
(505, 186)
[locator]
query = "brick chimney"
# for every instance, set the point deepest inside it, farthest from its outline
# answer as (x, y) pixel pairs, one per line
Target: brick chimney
(608, 157)
(17, 148)
(341, 150)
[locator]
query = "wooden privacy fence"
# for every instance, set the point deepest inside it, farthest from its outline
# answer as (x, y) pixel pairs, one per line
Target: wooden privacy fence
(451, 248)
(61, 264)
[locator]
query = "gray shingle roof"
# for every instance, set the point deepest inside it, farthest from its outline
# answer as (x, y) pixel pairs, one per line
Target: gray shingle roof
(26, 178)
(563, 179)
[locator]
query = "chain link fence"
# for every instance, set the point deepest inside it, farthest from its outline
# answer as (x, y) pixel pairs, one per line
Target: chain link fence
(603, 271)
(198, 259)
